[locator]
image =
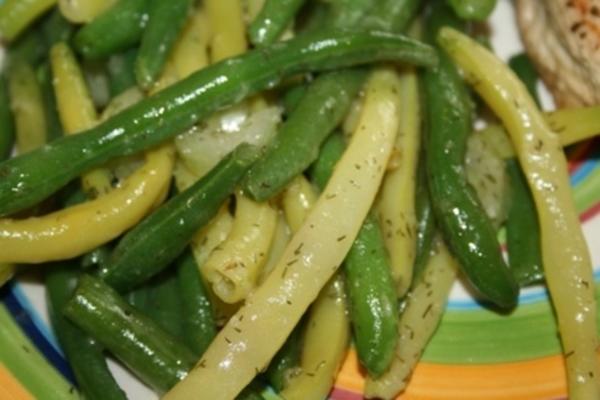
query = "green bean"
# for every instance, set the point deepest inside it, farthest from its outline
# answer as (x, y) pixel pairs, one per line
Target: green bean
(166, 20)
(317, 17)
(32, 177)
(33, 45)
(54, 127)
(330, 153)
(372, 294)
(522, 230)
(156, 357)
(29, 48)
(55, 28)
(164, 304)
(522, 227)
(249, 394)
(115, 30)
(286, 358)
(393, 15)
(370, 286)
(84, 354)
(526, 71)
(466, 228)
(296, 146)
(159, 300)
(349, 13)
(273, 19)
(321, 109)
(425, 221)
(97, 258)
(72, 195)
(420, 316)
(120, 71)
(252, 391)
(199, 326)
(292, 97)
(385, 15)
(138, 298)
(478, 10)
(173, 225)
(7, 126)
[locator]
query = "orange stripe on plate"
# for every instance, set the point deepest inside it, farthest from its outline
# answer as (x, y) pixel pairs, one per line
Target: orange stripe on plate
(11, 388)
(543, 378)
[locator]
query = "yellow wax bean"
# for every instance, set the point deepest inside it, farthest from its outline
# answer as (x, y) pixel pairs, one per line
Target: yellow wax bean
(191, 50)
(27, 107)
(58, 235)
(397, 203)
(242, 348)
(233, 269)
(575, 124)
(325, 343)
(16, 15)
(281, 238)
(566, 259)
(571, 124)
(83, 11)
(297, 200)
(76, 110)
(327, 333)
(228, 37)
(6, 272)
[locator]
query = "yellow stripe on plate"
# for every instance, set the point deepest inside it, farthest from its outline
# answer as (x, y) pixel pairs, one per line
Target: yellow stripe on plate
(11, 388)
(542, 378)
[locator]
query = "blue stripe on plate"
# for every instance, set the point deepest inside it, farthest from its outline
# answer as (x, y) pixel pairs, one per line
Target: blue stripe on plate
(25, 322)
(583, 171)
(588, 166)
(44, 329)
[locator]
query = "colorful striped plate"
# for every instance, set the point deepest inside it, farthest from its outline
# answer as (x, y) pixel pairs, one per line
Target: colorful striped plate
(475, 354)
